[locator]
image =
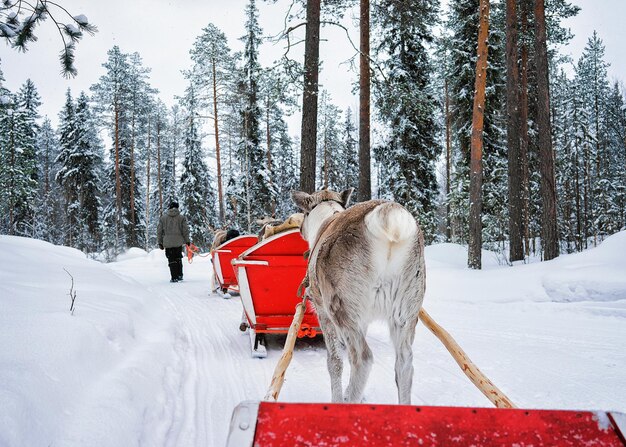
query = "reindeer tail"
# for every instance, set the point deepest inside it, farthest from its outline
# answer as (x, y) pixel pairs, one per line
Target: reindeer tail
(392, 222)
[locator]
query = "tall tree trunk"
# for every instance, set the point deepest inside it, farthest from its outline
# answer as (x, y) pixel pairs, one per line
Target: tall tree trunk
(148, 156)
(549, 234)
(308, 138)
(476, 154)
(516, 248)
(159, 167)
(365, 182)
(268, 138)
(448, 161)
(118, 182)
(218, 157)
(12, 179)
(524, 137)
(132, 181)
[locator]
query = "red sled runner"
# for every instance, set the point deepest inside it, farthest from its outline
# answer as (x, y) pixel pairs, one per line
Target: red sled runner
(222, 257)
(269, 275)
(266, 424)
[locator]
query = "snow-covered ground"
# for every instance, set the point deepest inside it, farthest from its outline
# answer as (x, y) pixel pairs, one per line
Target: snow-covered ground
(145, 362)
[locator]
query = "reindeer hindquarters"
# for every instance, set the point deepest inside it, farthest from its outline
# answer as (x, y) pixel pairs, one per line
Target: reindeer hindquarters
(334, 362)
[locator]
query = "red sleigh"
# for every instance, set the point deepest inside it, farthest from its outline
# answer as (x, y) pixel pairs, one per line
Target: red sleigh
(222, 257)
(269, 275)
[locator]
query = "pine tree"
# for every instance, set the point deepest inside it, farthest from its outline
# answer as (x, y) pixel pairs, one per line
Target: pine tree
(549, 233)
(214, 67)
(463, 25)
(121, 96)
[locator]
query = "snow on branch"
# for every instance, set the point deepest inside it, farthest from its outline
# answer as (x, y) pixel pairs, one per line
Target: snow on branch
(19, 18)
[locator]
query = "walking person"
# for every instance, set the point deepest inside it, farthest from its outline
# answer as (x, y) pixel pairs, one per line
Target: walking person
(172, 235)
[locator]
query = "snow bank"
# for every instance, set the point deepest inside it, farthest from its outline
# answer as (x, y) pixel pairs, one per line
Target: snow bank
(72, 380)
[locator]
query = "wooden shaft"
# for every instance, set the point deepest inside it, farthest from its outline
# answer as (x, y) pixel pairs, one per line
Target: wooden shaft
(471, 371)
(281, 367)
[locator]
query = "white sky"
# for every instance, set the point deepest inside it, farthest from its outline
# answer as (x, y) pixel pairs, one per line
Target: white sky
(163, 31)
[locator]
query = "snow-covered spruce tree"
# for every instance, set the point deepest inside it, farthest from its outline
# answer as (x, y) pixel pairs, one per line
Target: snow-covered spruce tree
(592, 79)
(67, 175)
(329, 146)
(27, 102)
(213, 76)
(350, 168)
(277, 97)
(197, 198)
(285, 162)
(88, 160)
(256, 178)
(6, 109)
(407, 106)
(616, 140)
(565, 161)
(80, 164)
(18, 176)
(49, 214)
(463, 27)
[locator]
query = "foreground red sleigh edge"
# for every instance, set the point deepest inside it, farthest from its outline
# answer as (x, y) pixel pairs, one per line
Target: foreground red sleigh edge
(269, 275)
(266, 424)
(224, 254)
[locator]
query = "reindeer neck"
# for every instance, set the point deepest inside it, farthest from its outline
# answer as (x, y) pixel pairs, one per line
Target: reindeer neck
(320, 218)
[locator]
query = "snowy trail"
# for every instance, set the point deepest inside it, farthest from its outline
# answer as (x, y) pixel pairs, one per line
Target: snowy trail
(149, 363)
(506, 337)
(213, 354)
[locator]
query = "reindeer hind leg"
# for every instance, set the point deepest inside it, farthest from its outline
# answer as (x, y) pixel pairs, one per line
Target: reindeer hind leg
(361, 359)
(402, 335)
(334, 362)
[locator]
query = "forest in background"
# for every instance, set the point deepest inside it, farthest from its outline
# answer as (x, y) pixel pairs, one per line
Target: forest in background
(100, 180)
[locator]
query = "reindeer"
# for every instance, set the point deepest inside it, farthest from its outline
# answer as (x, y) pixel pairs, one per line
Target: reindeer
(365, 262)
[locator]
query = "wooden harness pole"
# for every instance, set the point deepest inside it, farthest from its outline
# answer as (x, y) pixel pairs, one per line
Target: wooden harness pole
(481, 381)
(281, 367)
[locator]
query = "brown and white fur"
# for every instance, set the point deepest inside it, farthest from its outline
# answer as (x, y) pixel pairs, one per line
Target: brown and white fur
(366, 263)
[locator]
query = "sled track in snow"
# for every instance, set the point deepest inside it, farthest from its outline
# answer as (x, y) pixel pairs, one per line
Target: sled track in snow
(206, 331)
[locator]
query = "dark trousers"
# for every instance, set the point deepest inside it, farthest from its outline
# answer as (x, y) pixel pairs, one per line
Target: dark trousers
(175, 261)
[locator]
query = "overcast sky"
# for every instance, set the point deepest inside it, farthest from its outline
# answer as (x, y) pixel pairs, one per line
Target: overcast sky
(163, 31)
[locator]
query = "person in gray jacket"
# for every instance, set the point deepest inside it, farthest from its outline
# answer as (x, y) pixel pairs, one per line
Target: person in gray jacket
(172, 235)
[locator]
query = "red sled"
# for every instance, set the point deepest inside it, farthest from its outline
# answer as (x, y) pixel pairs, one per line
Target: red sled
(221, 258)
(269, 275)
(266, 424)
